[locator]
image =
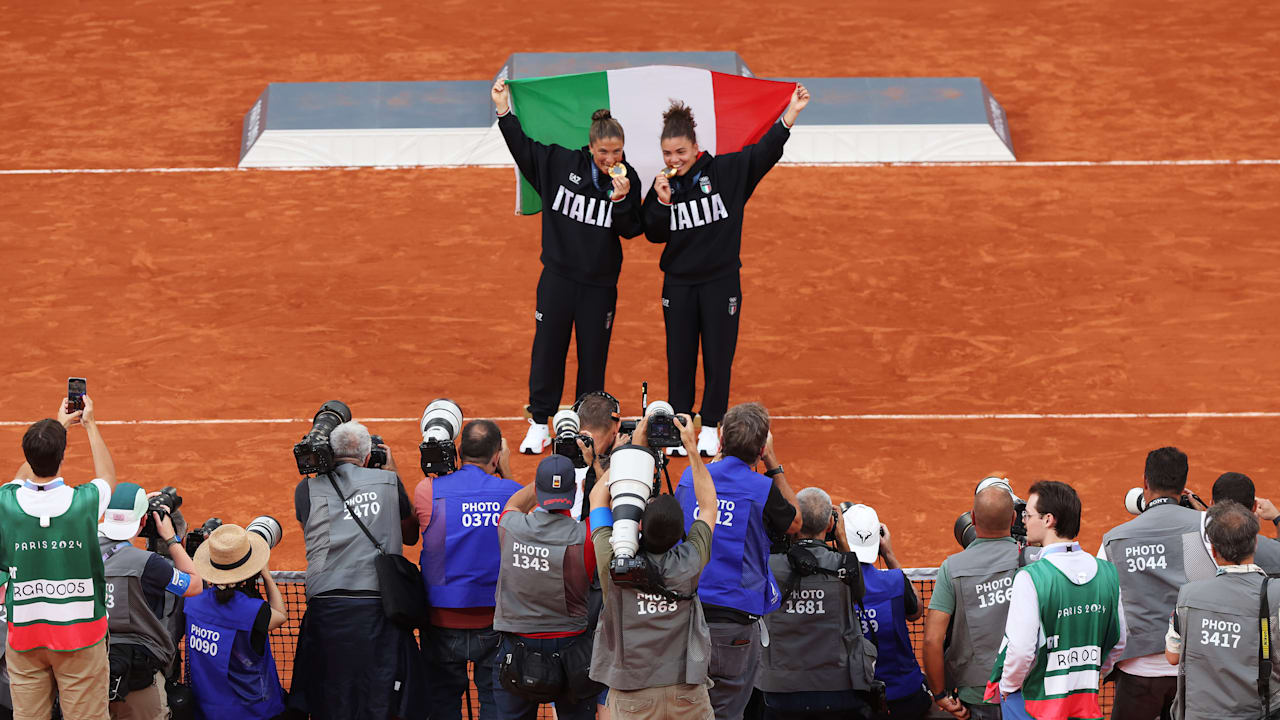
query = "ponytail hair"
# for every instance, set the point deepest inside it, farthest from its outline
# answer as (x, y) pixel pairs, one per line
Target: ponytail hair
(678, 122)
(604, 125)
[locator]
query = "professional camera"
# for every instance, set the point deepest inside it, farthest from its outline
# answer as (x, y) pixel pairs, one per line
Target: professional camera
(964, 530)
(313, 453)
(661, 430)
(166, 498)
(441, 422)
(196, 537)
(1136, 502)
(565, 443)
(631, 483)
(267, 528)
(377, 456)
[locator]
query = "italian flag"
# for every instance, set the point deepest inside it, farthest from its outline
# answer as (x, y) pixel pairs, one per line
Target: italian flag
(731, 111)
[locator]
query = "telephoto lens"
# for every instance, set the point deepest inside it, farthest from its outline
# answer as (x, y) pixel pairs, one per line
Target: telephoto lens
(313, 453)
(630, 484)
(1134, 501)
(441, 422)
(566, 424)
(267, 528)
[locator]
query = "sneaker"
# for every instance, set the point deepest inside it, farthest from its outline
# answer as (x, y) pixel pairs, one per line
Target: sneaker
(708, 442)
(677, 451)
(536, 440)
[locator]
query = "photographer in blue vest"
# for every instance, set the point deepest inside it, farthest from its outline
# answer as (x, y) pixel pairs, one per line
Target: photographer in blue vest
(459, 514)
(968, 608)
(737, 587)
(890, 602)
(233, 672)
(1156, 553)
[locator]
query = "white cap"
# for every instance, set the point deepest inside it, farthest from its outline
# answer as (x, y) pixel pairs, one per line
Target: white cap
(862, 527)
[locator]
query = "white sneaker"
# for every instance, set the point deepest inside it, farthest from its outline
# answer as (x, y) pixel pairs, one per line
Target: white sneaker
(536, 440)
(708, 442)
(677, 451)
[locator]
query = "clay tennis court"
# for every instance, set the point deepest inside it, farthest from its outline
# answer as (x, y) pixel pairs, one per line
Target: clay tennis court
(934, 293)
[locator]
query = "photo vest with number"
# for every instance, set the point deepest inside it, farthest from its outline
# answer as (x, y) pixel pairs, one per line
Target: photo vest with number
(982, 580)
(339, 555)
(738, 575)
(1080, 625)
(460, 545)
(228, 678)
(646, 640)
(56, 596)
(130, 620)
(884, 620)
(1156, 553)
(815, 638)
(1218, 670)
(542, 584)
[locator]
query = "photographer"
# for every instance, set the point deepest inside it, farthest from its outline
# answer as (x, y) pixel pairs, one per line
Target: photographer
(233, 672)
(1239, 487)
(818, 665)
(738, 588)
(599, 414)
(1156, 554)
(50, 533)
(541, 610)
(651, 649)
(139, 643)
(458, 513)
(890, 602)
(351, 660)
(969, 605)
(1214, 638)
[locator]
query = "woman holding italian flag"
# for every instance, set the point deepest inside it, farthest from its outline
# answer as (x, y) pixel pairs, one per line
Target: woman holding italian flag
(695, 208)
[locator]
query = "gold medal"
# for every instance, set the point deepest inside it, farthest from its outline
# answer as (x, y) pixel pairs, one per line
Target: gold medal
(618, 171)
(668, 172)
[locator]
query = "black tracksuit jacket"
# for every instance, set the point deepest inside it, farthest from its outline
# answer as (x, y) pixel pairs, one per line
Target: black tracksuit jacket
(702, 227)
(580, 225)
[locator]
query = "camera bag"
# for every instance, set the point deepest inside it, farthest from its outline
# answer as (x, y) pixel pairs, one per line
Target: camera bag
(533, 675)
(131, 668)
(404, 598)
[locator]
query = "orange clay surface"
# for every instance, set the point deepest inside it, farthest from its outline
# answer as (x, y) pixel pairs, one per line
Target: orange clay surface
(866, 290)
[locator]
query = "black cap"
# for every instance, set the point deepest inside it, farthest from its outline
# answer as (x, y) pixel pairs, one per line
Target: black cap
(556, 483)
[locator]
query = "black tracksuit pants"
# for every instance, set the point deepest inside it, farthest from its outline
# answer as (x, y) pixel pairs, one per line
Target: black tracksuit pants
(567, 307)
(709, 313)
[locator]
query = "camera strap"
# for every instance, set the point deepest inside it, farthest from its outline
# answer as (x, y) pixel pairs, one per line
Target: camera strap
(803, 563)
(1264, 649)
(115, 549)
(346, 502)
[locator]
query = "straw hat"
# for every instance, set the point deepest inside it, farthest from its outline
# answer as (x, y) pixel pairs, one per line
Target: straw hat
(231, 555)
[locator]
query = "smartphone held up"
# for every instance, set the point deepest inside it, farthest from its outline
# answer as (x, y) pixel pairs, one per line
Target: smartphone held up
(76, 390)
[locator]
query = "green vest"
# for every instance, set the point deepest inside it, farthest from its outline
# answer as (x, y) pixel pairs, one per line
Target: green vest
(1080, 627)
(56, 597)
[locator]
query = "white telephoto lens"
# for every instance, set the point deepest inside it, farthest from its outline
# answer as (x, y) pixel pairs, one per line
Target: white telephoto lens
(630, 483)
(661, 405)
(565, 422)
(267, 528)
(1134, 501)
(441, 421)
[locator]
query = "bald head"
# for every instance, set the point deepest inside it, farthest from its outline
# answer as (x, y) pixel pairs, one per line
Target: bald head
(993, 512)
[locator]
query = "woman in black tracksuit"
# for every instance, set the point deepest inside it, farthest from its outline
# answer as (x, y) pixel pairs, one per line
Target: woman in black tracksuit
(697, 213)
(584, 212)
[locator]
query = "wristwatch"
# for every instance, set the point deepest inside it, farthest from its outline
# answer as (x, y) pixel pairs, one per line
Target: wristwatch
(940, 695)
(175, 540)
(774, 472)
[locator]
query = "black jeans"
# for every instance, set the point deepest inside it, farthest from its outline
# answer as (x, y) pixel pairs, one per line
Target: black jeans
(447, 652)
(1143, 698)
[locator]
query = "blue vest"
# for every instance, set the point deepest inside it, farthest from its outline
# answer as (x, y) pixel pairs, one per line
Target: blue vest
(228, 679)
(460, 548)
(738, 575)
(885, 622)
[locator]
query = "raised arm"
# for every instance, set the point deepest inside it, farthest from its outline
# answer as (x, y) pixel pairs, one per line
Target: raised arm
(771, 465)
(530, 155)
(525, 499)
(103, 467)
(763, 155)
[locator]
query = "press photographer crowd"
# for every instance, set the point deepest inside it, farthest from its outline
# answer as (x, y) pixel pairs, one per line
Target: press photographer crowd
(605, 587)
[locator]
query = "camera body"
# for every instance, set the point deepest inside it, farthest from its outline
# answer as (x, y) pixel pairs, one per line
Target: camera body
(661, 430)
(377, 456)
(196, 537)
(313, 453)
(1135, 501)
(566, 425)
(441, 423)
(168, 497)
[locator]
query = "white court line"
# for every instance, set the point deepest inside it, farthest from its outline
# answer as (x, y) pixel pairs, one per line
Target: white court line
(348, 168)
(789, 418)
